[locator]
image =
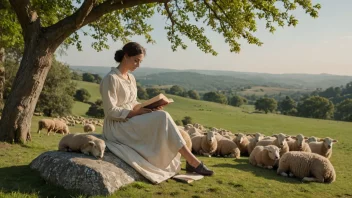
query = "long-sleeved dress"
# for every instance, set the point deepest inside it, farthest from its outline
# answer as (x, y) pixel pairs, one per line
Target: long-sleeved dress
(149, 142)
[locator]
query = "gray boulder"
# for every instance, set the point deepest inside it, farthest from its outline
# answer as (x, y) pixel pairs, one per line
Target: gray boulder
(86, 174)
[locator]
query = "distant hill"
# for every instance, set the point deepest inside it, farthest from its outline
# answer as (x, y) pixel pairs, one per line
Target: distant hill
(213, 79)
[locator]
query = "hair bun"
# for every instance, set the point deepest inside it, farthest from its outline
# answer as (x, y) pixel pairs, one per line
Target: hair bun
(119, 56)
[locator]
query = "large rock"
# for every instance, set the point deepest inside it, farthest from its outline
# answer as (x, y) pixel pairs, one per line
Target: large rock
(85, 173)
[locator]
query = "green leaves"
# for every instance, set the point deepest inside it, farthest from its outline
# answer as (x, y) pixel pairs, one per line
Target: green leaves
(235, 20)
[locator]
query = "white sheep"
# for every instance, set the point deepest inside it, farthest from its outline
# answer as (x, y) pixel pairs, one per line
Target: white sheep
(194, 132)
(280, 142)
(61, 127)
(227, 148)
(312, 139)
(265, 156)
(89, 128)
(307, 166)
(253, 142)
(298, 144)
(187, 139)
(85, 143)
(46, 124)
(323, 148)
(205, 144)
(242, 143)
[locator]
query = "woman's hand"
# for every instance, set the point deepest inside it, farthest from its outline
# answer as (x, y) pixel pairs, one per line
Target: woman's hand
(158, 108)
(138, 111)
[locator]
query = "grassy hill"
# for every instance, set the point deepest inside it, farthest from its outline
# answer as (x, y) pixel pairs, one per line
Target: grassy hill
(233, 178)
(160, 76)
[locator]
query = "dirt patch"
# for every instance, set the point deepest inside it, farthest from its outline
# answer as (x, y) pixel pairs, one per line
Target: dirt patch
(4, 145)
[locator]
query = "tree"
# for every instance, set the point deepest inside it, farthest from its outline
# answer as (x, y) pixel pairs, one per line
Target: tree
(58, 22)
(287, 105)
(82, 95)
(316, 107)
(176, 90)
(215, 97)
(142, 93)
(193, 94)
(76, 76)
(266, 105)
(344, 110)
(88, 77)
(153, 92)
(57, 95)
(96, 110)
(238, 101)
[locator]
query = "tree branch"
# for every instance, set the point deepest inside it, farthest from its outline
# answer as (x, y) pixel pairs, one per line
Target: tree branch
(83, 12)
(64, 28)
(169, 13)
(24, 13)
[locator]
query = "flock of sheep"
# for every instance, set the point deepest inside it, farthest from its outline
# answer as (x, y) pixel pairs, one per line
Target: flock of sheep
(60, 125)
(294, 156)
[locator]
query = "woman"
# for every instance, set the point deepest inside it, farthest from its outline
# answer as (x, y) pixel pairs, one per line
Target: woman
(147, 140)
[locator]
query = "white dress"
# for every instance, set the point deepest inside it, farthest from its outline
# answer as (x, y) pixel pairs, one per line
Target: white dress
(149, 142)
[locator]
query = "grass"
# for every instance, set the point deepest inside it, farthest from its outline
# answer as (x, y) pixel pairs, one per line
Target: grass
(261, 91)
(233, 178)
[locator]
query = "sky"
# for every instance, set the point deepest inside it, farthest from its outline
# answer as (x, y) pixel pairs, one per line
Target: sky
(314, 46)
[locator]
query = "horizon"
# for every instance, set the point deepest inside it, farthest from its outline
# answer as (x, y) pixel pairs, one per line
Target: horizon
(314, 46)
(345, 75)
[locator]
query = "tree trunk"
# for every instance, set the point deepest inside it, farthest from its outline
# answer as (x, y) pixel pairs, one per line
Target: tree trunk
(2, 77)
(19, 107)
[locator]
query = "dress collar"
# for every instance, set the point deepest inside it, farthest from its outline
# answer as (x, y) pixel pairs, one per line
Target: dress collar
(117, 71)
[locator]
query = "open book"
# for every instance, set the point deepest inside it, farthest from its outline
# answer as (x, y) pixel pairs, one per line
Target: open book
(156, 101)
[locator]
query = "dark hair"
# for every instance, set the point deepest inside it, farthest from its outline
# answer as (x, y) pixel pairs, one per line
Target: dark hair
(131, 49)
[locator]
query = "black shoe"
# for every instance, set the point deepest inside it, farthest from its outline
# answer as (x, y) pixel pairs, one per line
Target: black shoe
(201, 169)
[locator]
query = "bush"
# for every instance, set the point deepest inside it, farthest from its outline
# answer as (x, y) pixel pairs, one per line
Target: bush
(82, 95)
(96, 110)
(178, 122)
(187, 120)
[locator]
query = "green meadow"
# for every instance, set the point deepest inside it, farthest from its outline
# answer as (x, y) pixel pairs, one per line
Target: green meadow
(233, 178)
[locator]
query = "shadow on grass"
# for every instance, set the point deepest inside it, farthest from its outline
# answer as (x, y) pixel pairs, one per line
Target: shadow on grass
(243, 165)
(24, 180)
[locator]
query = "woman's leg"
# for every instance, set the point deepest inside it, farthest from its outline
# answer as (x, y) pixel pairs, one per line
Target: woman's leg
(188, 155)
(193, 164)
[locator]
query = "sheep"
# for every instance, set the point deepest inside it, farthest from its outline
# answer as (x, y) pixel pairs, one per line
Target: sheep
(253, 142)
(280, 142)
(194, 132)
(242, 143)
(312, 139)
(46, 124)
(265, 156)
(85, 143)
(60, 127)
(89, 128)
(323, 148)
(205, 144)
(298, 144)
(187, 139)
(227, 148)
(310, 167)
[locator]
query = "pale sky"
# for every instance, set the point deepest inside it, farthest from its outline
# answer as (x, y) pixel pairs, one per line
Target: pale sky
(322, 45)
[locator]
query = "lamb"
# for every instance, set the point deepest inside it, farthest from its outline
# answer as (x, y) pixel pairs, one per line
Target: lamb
(265, 156)
(187, 139)
(85, 143)
(242, 143)
(61, 127)
(298, 144)
(323, 148)
(89, 128)
(253, 142)
(280, 142)
(205, 144)
(227, 148)
(46, 124)
(310, 167)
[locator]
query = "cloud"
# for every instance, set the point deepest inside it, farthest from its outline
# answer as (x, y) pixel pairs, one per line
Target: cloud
(346, 37)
